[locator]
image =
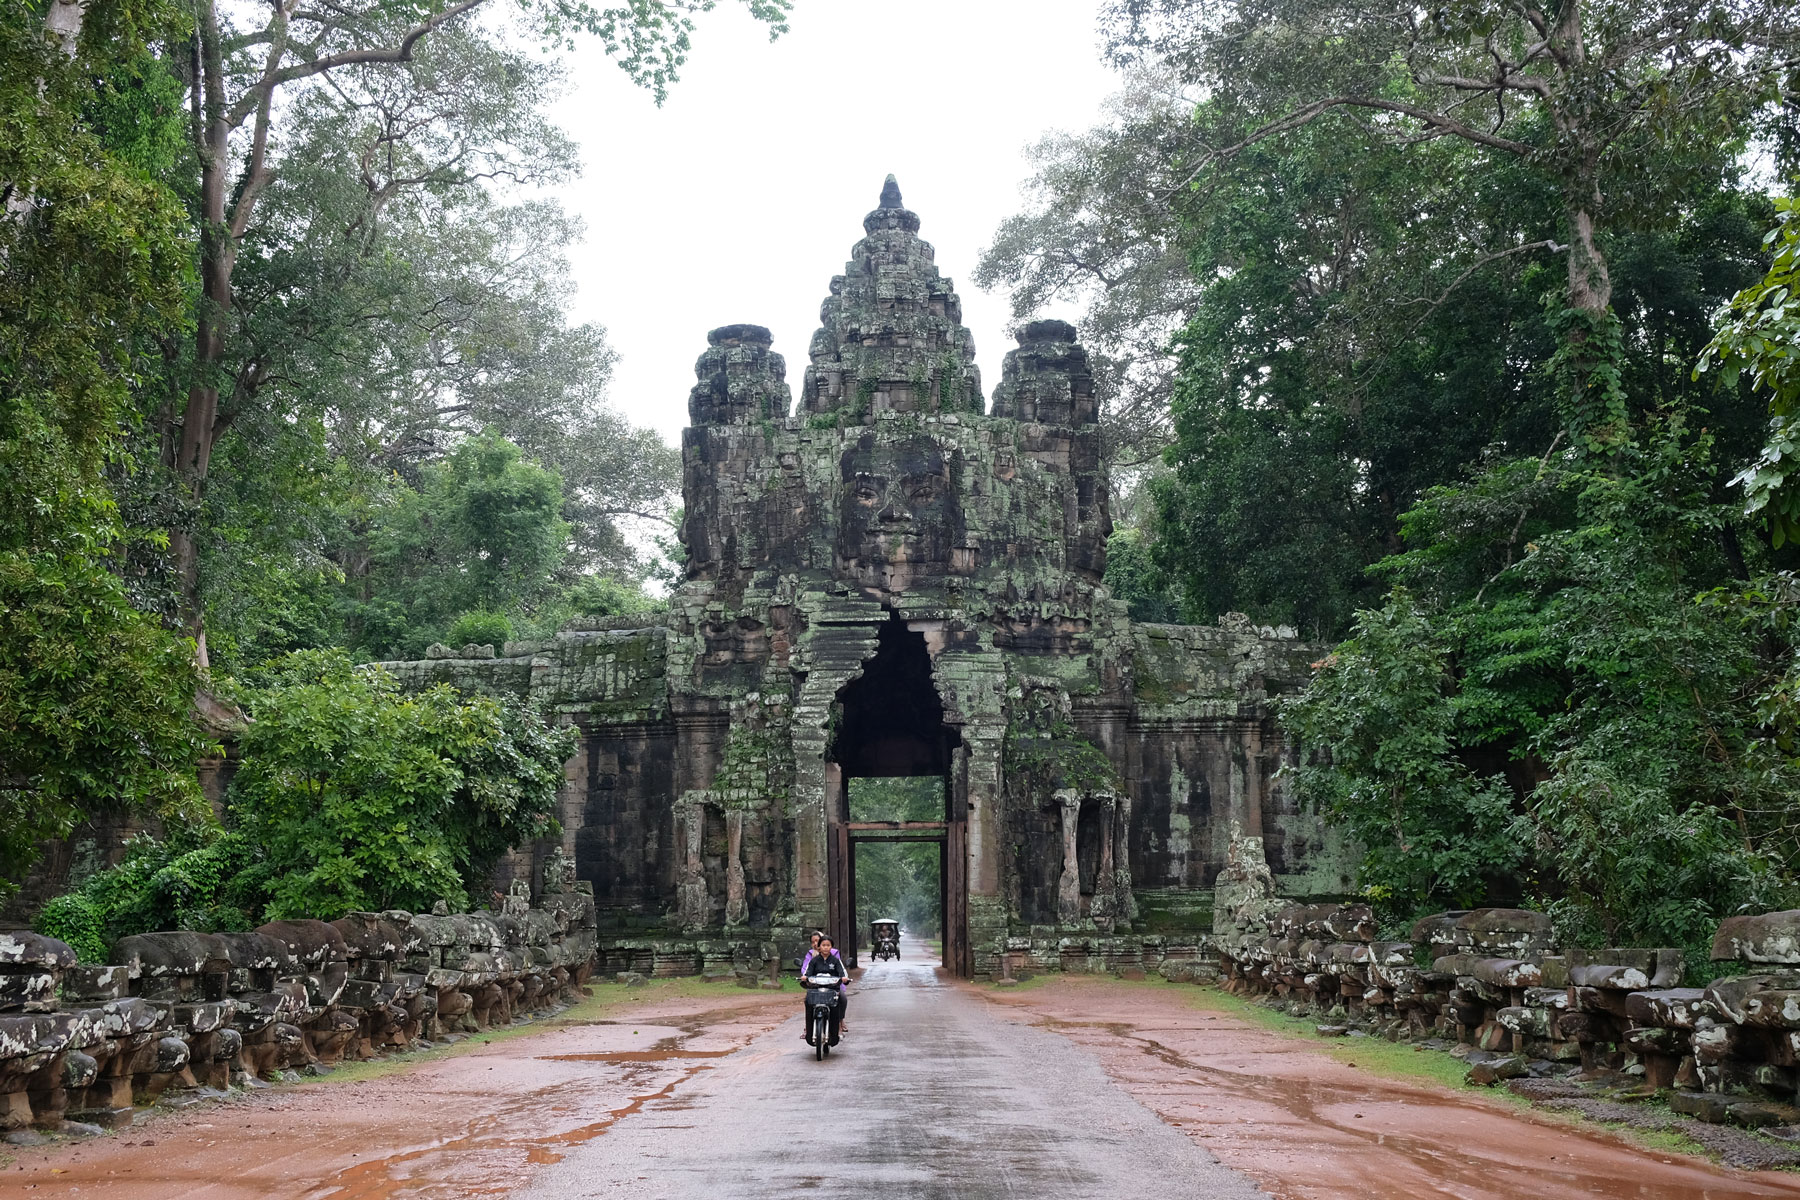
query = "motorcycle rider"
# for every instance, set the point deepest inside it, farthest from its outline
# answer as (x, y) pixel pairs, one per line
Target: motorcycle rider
(819, 935)
(825, 961)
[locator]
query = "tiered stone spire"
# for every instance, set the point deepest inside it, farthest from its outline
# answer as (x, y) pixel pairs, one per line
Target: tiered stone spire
(1047, 379)
(891, 335)
(740, 380)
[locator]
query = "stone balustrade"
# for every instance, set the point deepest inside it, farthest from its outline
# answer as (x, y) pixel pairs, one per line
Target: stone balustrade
(184, 1010)
(1492, 981)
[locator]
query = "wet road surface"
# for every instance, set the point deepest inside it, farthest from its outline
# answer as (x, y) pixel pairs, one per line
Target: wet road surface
(933, 1093)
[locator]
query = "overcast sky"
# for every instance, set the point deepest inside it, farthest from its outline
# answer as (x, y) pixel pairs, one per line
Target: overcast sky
(741, 197)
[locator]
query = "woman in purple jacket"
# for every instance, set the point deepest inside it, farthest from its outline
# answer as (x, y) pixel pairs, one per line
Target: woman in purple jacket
(823, 949)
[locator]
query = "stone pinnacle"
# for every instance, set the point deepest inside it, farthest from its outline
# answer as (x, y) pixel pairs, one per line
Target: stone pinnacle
(890, 194)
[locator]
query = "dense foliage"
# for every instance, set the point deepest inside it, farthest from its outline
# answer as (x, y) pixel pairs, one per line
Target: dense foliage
(1432, 295)
(362, 796)
(94, 693)
(352, 795)
(1760, 334)
(482, 534)
(285, 364)
(1437, 834)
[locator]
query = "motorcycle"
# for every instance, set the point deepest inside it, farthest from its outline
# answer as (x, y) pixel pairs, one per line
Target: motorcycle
(821, 998)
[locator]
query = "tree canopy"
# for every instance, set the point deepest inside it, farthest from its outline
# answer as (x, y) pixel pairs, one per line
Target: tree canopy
(286, 365)
(1437, 286)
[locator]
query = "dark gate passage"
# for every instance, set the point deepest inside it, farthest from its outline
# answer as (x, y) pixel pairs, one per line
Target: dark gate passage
(892, 725)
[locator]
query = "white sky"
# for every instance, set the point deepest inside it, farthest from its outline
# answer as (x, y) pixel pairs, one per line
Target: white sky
(741, 197)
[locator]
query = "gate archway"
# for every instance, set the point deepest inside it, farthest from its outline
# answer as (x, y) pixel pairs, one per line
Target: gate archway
(891, 723)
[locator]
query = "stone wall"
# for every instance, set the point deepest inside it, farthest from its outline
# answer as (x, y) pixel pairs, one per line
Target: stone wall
(183, 1010)
(1491, 984)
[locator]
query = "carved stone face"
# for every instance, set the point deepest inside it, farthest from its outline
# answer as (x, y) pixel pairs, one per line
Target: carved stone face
(899, 513)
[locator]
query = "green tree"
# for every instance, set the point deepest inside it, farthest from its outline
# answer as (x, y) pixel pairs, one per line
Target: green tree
(1101, 230)
(1356, 350)
(195, 877)
(1381, 722)
(1759, 336)
(361, 797)
(1609, 104)
(389, 307)
(1135, 579)
(1575, 679)
(351, 796)
(898, 880)
(1354, 322)
(247, 72)
(483, 532)
(94, 696)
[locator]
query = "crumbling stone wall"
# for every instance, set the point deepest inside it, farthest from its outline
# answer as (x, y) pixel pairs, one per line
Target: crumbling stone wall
(184, 1010)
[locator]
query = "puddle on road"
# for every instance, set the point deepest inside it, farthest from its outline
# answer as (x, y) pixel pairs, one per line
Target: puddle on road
(634, 1056)
(485, 1155)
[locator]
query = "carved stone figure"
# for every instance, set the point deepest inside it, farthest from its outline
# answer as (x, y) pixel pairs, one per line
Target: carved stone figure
(1244, 893)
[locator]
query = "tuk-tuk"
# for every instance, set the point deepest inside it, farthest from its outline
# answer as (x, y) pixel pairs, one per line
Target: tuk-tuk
(884, 939)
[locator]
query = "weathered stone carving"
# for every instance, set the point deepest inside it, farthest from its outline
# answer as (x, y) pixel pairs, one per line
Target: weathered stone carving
(1494, 980)
(737, 909)
(559, 872)
(1068, 884)
(894, 580)
(1244, 893)
(692, 901)
(191, 1010)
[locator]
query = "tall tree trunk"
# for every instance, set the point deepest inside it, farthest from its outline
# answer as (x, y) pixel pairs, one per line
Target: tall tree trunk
(1590, 283)
(64, 21)
(218, 255)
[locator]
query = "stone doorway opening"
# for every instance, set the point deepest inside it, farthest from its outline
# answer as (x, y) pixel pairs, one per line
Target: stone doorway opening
(891, 728)
(897, 846)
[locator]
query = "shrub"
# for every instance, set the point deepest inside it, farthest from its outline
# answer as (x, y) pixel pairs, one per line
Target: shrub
(481, 627)
(80, 922)
(352, 795)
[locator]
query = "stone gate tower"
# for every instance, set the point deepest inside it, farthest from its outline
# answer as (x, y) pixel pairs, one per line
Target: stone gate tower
(897, 578)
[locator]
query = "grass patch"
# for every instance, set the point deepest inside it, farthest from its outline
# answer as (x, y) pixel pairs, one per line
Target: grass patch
(1404, 1061)
(1029, 983)
(1410, 1062)
(1407, 1061)
(1664, 1141)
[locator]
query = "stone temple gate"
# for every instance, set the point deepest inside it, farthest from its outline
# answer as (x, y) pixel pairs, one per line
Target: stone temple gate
(900, 577)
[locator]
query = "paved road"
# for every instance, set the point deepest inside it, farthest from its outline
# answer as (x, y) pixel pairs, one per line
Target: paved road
(932, 1094)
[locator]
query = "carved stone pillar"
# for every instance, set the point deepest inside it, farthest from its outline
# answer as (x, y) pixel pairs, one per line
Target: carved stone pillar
(1244, 892)
(692, 904)
(1068, 885)
(1125, 904)
(737, 907)
(1105, 907)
